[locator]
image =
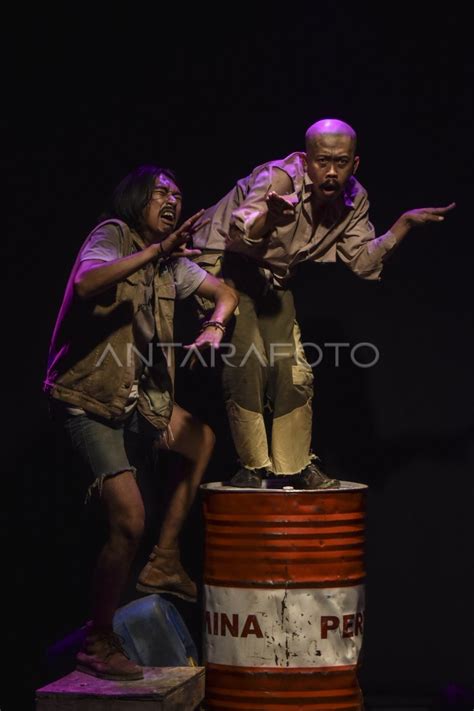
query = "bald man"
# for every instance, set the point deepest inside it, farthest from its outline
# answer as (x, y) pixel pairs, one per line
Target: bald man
(305, 207)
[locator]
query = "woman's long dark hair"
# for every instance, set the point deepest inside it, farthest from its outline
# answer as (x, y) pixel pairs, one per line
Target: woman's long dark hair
(134, 192)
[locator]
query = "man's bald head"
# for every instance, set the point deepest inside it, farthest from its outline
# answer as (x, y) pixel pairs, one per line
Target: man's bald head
(330, 158)
(331, 126)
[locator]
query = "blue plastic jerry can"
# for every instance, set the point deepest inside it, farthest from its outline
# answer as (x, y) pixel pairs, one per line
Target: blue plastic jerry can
(154, 634)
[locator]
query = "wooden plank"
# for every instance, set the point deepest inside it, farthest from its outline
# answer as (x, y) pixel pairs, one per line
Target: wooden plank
(162, 689)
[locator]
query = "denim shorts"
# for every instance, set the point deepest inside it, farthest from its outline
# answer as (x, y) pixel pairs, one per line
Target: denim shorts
(106, 448)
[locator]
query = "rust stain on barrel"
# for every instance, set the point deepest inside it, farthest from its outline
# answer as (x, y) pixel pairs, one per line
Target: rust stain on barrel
(254, 540)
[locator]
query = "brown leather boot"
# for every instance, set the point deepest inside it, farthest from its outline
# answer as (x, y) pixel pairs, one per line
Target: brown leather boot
(164, 574)
(102, 655)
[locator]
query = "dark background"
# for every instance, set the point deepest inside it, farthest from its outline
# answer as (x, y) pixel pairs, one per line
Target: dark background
(84, 103)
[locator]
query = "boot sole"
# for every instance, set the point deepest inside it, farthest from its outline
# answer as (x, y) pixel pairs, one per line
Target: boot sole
(149, 589)
(334, 484)
(111, 677)
(245, 486)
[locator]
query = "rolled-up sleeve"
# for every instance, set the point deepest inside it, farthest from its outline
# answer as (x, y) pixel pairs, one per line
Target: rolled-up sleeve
(359, 248)
(243, 217)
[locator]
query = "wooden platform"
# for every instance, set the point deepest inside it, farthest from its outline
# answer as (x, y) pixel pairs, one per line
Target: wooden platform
(162, 689)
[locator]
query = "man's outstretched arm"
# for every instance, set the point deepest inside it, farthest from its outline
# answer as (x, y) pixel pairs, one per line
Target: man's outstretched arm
(269, 204)
(418, 216)
(365, 254)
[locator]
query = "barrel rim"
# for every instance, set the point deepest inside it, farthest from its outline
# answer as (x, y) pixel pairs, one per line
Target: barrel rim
(346, 486)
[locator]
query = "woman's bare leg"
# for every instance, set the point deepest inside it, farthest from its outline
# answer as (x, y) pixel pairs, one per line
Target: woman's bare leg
(194, 441)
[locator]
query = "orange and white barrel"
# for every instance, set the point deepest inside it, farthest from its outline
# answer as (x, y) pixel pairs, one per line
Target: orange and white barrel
(284, 598)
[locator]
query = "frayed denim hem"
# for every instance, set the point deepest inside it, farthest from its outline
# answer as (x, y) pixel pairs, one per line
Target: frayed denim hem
(99, 482)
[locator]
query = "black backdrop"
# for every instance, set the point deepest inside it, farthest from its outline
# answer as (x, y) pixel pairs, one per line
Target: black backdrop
(83, 104)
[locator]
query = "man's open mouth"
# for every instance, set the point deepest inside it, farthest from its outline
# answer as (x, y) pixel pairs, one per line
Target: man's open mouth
(168, 215)
(329, 188)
